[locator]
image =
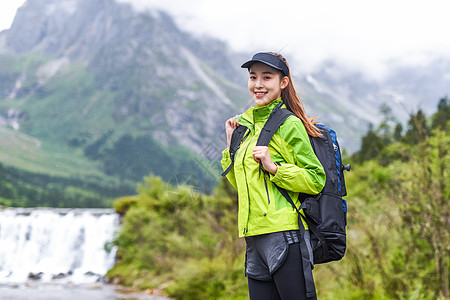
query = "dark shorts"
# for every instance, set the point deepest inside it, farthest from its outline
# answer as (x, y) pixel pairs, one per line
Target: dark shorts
(267, 252)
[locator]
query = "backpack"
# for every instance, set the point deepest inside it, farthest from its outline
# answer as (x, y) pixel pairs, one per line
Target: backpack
(325, 213)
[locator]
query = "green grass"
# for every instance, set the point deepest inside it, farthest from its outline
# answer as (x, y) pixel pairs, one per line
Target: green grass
(28, 153)
(32, 174)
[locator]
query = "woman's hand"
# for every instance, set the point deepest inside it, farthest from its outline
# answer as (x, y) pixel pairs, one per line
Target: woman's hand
(262, 154)
(230, 126)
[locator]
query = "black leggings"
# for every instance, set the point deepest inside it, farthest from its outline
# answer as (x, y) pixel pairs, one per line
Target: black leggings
(288, 282)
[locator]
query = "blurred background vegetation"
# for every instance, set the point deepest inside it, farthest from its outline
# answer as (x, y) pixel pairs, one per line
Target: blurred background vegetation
(185, 243)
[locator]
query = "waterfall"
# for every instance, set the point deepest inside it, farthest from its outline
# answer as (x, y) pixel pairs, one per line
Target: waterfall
(56, 245)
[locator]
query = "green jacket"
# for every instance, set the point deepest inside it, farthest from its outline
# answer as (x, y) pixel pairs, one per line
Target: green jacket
(264, 210)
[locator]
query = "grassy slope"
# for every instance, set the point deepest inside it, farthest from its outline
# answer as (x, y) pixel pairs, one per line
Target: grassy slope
(33, 174)
(28, 153)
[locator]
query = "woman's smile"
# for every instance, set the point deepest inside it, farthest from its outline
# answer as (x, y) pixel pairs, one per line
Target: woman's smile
(260, 94)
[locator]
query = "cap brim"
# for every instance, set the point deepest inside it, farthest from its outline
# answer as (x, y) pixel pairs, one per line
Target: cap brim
(269, 60)
(249, 63)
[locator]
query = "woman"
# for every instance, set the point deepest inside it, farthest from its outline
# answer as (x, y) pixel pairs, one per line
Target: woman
(273, 264)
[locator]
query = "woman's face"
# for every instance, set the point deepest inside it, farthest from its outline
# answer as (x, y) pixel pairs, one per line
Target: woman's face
(265, 83)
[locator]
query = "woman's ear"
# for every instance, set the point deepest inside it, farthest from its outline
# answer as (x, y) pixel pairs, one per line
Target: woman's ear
(284, 82)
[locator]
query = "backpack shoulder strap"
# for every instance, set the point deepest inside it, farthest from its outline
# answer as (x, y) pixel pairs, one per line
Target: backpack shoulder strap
(276, 118)
(236, 138)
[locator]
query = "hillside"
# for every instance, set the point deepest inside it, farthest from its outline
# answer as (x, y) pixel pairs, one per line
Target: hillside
(105, 67)
(116, 88)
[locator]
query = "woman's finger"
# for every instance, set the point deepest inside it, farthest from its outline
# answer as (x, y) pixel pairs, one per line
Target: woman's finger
(261, 153)
(232, 122)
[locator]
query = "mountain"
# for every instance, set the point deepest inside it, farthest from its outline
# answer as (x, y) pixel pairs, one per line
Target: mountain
(141, 68)
(129, 93)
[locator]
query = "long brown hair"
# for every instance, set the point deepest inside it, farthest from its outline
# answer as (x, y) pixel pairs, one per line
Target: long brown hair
(294, 104)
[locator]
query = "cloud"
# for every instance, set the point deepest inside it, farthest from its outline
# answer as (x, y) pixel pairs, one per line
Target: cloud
(8, 11)
(359, 33)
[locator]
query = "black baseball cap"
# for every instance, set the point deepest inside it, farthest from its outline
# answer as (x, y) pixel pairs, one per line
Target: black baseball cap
(268, 59)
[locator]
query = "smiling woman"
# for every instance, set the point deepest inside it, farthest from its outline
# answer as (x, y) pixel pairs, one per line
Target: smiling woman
(278, 254)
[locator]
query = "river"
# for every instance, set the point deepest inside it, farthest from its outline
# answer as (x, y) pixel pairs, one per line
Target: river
(45, 291)
(60, 254)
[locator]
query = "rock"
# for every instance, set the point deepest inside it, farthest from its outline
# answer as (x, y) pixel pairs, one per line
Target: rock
(59, 276)
(90, 273)
(35, 276)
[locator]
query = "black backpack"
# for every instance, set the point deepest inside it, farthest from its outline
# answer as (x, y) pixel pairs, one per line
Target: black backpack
(326, 213)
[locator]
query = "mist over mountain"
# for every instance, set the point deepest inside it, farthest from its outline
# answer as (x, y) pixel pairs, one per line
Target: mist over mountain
(405, 88)
(157, 74)
(107, 81)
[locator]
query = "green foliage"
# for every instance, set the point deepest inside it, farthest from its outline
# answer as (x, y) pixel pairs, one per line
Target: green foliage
(371, 145)
(442, 116)
(179, 239)
(422, 191)
(398, 228)
(133, 158)
(375, 144)
(33, 175)
(121, 205)
(417, 129)
(21, 188)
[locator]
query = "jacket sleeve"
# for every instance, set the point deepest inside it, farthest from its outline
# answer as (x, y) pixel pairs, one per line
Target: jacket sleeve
(302, 171)
(226, 161)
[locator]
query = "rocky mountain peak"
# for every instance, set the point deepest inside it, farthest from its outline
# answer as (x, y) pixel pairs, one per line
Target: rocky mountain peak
(154, 79)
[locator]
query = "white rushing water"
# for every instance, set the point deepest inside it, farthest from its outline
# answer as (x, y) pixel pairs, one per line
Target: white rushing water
(56, 245)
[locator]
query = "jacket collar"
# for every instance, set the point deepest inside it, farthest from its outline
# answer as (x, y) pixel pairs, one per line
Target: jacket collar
(258, 113)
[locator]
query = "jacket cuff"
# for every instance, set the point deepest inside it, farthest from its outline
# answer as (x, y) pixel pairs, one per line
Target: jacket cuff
(278, 177)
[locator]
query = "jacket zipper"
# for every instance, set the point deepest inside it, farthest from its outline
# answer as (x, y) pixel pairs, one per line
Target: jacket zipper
(265, 173)
(267, 189)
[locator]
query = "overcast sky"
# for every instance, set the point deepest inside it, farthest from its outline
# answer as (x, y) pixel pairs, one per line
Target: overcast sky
(356, 32)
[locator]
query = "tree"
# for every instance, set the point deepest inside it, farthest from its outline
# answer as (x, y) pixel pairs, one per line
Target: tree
(422, 189)
(417, 128)
(398, 132)
(442, 116)
(371, 146)
(384, 130)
